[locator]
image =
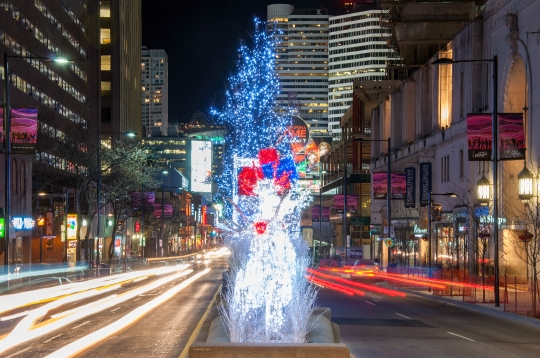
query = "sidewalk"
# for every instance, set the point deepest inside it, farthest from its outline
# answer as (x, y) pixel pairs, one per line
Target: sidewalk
(487, 308)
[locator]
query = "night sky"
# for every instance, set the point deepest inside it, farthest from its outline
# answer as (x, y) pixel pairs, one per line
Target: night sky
(201, 39)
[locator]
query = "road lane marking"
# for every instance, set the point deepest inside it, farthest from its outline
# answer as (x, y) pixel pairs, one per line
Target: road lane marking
(76, 347)
(8, 318)
(19, 352)
(375, 300)
(371, 303)
(399, 314)
(199, 325)
(50, 339)
(136, 299)
(457, 335)
(82, 324)
(117, 308)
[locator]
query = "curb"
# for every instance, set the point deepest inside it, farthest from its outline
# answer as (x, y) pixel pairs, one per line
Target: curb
(473, 307)
(197, 329)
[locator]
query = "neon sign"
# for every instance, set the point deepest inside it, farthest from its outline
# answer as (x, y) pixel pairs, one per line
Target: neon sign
(20, 223)
(2, 230)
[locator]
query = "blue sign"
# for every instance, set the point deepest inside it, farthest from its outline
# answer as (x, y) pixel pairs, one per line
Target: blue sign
(425, 182)
(20, 223)
(410, 187)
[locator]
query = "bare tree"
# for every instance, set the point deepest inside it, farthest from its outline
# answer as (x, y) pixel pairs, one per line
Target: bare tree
(125, 169)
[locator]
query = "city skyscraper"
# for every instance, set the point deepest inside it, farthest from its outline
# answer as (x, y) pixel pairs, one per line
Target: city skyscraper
(357, 51)
(155, 89)
(120, 42)
(302, 62)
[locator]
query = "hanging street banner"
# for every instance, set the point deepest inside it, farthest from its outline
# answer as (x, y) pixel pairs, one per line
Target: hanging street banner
(410, 187)
(325, 214)
(352, 203)
(24, 130)
(511, 136)
(398, 185)
(425, 182)
(479, 136)
(315, 214)
(379, 183)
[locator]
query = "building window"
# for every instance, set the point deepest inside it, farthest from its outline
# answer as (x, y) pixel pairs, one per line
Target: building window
(105, 35)
(105, 9)
(105, 88)
(106, 63)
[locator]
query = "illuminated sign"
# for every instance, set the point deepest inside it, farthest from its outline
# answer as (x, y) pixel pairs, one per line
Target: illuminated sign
(72, 226)
(20, 223)
(137, 227)
(201, 166)
(24, 129)
(2, 230)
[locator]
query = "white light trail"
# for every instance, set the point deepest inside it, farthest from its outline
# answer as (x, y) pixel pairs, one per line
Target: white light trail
(85, 342)
(23, 331)
(10, 302)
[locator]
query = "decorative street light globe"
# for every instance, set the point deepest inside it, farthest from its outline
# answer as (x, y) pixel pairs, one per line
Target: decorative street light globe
(483, 190)
(525, 181)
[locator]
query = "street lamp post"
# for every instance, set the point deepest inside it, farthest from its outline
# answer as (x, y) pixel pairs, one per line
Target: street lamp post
(430, 207)
(494, 159)
(388, 179)
(7, 148)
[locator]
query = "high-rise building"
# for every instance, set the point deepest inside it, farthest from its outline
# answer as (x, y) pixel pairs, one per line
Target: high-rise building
(357, 51)
(37, 32)
(155, 89)
(302, 62)
(120, 39)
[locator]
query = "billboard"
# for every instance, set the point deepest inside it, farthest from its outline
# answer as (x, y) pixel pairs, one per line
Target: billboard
(380, 187)
(72, 226)
(167, 210)
(309, 162)
(306, 150)
(398, 185)
(352, 203)
(479, 136)
(149, 199)
(410, 187)
(24, 129)
(511, 136)
(201, 166)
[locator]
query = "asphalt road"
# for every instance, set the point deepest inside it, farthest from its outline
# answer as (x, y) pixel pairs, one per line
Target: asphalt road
(382, 326)
(162, 332)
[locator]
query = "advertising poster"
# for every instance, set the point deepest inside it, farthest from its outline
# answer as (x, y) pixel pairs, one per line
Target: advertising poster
(398, 185)
(380, 186)
(352, 203)
(316, 147)
(167, 211)
(410, 187)
(24, 129)
(479, 136)
(425, 182)
(136, 197)
(511, 136)
(307, 151)
(315, 214)
(72, 226)
(149, 198)
(325, 214)
(201, 166)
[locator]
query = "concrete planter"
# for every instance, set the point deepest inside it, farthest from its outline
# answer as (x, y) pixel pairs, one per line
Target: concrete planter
(323, 341)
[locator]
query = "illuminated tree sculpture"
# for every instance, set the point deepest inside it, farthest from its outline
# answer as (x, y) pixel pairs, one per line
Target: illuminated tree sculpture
(268, 297)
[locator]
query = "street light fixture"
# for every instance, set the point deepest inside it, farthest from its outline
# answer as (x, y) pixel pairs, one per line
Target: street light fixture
(494, 159)
(430, 208)
(525, 181)
(483, 191)
(7, 145)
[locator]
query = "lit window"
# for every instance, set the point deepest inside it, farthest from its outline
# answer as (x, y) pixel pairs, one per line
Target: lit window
(106, 63)
(105, 36)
